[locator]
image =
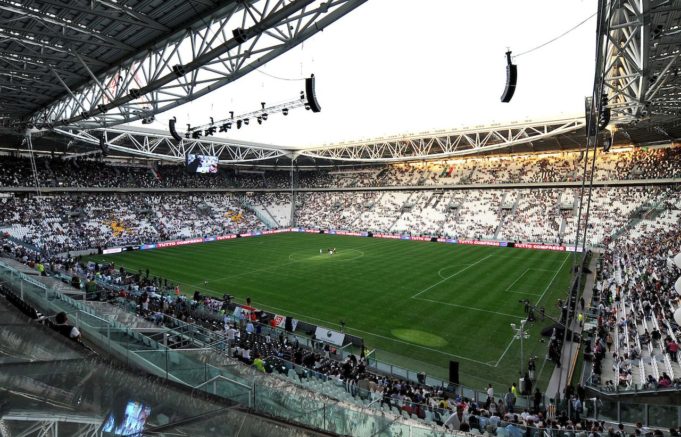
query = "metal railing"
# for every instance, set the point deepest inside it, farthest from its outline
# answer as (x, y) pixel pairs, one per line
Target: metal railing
(212, 371)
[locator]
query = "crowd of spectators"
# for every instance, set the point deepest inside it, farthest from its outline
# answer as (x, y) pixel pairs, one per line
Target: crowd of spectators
(79, 221)
(64, 223)
(636, 340)
(548, 167)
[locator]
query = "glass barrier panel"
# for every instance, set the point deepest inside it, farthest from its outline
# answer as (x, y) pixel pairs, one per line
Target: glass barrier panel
(632, 413)
(663, 416)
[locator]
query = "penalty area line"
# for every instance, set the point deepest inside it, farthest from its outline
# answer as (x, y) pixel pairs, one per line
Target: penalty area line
(540, 298)
(451, 276)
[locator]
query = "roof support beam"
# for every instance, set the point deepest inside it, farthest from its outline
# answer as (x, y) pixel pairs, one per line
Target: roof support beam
(217, 59)
(63, 24)
(148, 143)
(30, 43)
(123, 13)
(446, 144)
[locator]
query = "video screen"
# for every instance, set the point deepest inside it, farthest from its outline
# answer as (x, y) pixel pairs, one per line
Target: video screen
(202, 164)
(132, 422)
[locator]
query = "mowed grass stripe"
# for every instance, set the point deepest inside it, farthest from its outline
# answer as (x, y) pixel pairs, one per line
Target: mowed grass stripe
(372, 293)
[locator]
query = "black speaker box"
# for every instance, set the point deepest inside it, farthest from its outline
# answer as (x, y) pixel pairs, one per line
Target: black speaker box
(454, 372)
(171, 128)
(511, 79)
(310, 94)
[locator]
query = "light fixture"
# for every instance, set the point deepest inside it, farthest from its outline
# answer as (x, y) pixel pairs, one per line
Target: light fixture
(285, 111)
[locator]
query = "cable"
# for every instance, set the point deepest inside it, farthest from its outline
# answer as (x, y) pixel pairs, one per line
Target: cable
(277, 77)
(558, 37)
(592, 140)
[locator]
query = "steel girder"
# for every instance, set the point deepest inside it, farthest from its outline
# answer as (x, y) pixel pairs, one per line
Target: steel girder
(638, 56)
(429, 145)
(444, 144)
(159, 145)
(28, 423)
(188, 66)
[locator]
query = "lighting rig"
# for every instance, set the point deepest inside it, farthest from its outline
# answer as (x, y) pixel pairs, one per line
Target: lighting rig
(307, 100)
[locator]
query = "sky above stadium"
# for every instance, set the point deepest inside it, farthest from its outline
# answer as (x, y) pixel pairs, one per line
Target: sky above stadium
(398, 67)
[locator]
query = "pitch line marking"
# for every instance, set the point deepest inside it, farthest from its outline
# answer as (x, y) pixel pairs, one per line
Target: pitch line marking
(439, 272)
(515, 316)
(553, 279)
(377, 335)
(517, 279)
(523, 292)
(451, 276)
(540, 298)
(277, 266)
(361, 254)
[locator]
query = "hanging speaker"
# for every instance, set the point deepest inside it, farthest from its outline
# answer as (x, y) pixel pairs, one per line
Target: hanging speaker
(171, 128)
(511, 79)
(310, 94)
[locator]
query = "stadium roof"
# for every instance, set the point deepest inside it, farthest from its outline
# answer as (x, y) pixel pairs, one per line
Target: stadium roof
(47, 46)
(519, 137)
(638, 59)
(103, 63)
(72, 67)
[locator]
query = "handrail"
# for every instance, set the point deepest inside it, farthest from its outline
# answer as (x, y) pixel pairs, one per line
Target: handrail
(249, 388)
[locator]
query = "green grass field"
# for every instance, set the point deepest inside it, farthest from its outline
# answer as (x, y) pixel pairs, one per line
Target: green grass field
(418, 304)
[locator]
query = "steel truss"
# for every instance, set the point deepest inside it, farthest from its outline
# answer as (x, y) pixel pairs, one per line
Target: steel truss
(159, 145)
(638, 55)
(38, 424)
(189, 65)
(445, 144)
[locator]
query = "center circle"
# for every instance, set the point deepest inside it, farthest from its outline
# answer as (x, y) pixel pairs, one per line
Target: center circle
(324, 256)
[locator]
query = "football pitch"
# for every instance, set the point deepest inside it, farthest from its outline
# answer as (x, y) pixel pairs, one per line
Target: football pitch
(419, 304)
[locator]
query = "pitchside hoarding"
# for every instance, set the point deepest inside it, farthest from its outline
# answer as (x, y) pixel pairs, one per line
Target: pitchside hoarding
(493, 243)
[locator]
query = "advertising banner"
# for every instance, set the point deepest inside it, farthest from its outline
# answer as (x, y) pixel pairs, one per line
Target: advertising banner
(540, 246)
(349, 233)
(390, 236)
(479, 242)
(329, 336)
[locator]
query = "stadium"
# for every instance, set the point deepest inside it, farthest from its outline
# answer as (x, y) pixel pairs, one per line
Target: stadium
(216, 219)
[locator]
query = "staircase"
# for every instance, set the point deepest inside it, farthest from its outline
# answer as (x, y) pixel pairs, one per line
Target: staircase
(645, 212)
(402, 211)
(267, 210)
(561, 229)
(437, 197)
(268, 220)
